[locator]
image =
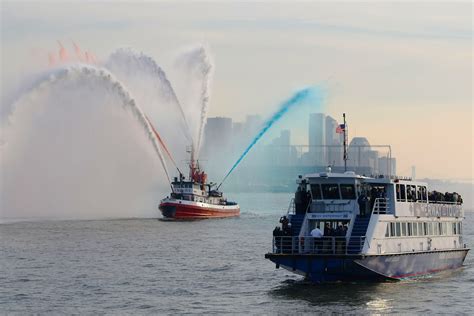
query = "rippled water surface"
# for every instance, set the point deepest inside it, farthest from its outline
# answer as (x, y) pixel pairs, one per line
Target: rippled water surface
(147, 266)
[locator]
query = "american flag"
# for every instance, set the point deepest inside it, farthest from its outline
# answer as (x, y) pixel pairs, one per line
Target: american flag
(340, 128)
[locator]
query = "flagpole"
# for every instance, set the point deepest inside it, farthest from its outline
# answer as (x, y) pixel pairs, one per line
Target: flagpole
(345, 142)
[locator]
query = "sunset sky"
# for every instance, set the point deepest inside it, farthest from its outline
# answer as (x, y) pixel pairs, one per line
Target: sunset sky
(401, 71)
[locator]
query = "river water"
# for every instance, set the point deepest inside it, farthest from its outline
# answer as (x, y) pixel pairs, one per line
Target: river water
(146, 266)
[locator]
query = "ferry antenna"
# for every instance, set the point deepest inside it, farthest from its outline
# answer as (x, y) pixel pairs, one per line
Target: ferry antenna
(345, 157)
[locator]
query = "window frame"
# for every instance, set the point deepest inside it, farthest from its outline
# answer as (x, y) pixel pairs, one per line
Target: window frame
(311, 190)
(353, 191)
(329, 185)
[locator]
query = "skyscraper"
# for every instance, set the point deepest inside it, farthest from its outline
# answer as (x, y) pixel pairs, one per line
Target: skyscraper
(334, 142)
(317, 139)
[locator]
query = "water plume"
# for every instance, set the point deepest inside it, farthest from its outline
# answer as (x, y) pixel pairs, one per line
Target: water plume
(78, 51)
(63, 54)
(66, 149)
(51, 59)
(197, 69)
(154, 92)
(308, 95)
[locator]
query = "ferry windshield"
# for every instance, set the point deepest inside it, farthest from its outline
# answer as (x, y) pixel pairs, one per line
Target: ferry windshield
(348, 191)
(330, 191)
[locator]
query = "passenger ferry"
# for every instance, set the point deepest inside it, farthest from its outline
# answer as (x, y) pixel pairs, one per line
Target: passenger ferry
(195, 198)
(372, 229)
(345, 227)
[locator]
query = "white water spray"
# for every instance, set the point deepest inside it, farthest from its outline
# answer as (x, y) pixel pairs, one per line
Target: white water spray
(197, 69)
(54, 141)
(153, 91)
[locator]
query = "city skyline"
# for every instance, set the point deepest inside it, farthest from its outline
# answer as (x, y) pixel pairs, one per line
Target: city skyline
(225, 138)
(401, 71)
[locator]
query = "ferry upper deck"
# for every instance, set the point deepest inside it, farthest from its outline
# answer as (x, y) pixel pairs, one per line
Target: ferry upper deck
(369, 215)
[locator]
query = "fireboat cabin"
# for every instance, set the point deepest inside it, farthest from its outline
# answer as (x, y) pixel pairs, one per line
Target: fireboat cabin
(195, 199)
(343, 226)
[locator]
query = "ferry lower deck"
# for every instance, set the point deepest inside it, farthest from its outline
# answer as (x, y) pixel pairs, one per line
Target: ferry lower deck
(356, 267)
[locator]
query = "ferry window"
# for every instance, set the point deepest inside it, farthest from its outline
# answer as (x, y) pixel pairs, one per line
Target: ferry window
(460, 229)
(444, 231)
(454, 229)
(424, 196)
(420, 229)
(418, 193)
(403, 193)
(449, 228)
(415, 229)
(316, 191)
(330, 191)
(347, 191)
(397, 229)
(399, 198)
(412, 189)
(409, 230)
(404, 229)
(387, 233)
(436, 228)
(392, 229)
(409, 198)
(425, 230)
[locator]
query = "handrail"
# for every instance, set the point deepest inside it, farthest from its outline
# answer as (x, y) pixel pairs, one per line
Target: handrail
(381, 206)
(443, 202)
(314, 245)
(291, 208)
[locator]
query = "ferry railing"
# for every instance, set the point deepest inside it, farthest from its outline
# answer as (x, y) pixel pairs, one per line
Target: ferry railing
(381, 206)
(313, 245)
(291, 207)
(441, 202)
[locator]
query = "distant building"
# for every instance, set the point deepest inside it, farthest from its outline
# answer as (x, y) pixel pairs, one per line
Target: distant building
(317, 139)
(218, 132)
(387, 166)
(334, 143)
(280, 152)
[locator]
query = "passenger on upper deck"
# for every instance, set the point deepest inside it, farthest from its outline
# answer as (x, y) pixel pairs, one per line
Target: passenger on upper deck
(302, 198)
(435, 196)
(363, 203)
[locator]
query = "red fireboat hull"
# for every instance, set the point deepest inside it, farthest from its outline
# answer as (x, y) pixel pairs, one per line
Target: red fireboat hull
(181, 211)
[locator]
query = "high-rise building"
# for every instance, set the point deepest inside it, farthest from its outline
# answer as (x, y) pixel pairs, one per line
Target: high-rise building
(218, 131)
(334, 143)
(217, 142)
(317, 139)
(387, 166)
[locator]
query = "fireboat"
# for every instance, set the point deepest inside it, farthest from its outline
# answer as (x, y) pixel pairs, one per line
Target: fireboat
(195, 198)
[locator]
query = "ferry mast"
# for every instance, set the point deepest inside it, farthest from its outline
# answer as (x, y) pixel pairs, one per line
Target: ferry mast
(345, 157)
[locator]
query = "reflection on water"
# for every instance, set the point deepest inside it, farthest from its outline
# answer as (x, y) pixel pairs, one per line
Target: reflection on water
(328, 293)
(379, 305)
(372, 297)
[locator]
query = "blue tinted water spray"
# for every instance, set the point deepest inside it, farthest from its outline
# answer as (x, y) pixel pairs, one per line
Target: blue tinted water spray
(311, 94)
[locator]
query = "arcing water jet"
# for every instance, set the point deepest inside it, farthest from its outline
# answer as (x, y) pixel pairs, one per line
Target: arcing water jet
(198, 69)
(131, 67)
(306, 95)
(112, 84)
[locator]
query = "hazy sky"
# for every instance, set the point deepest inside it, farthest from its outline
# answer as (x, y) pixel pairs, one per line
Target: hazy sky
(401, 71)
